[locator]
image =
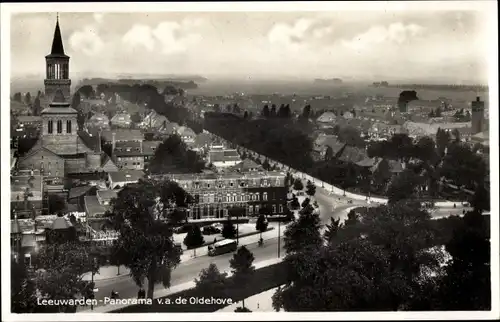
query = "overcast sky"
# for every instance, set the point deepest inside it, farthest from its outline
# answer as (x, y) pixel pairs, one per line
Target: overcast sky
(394, 45)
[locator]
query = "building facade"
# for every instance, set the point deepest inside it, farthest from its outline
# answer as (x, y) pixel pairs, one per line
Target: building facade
(477, 117)
(215, 194)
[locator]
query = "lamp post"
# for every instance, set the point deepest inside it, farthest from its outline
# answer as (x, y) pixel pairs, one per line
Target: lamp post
(279, 237)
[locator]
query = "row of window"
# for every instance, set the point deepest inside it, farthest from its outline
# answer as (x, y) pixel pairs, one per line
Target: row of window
(197, 185)
(59, 126)
(209, 212)
(212, 198)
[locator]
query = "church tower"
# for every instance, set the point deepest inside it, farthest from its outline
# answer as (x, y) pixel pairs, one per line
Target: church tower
(57, 68)
(477, 117)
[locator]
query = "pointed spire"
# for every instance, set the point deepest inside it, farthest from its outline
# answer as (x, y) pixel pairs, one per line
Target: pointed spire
(57, 43)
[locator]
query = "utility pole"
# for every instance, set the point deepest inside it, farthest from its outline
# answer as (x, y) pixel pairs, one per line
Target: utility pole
(279, 237)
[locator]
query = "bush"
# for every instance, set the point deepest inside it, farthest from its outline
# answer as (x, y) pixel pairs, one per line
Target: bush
(298, 185)
(194, 238)
(295, 203)
(306, 202)
(228, 230)
(242, 309)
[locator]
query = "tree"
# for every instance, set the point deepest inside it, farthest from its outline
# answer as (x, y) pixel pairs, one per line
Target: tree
(22, 287)
(352, 218)
(266, 164)
(60, 269)
(442, 140)
(136, 118)
(27, 98)
(173, 156)
(261, 224)
(305, 203)
(194, 237)
(147, 241)
(265, 111)
(403, 186)
(298, 185)
(17, 97)
(351, 136)
(295, 203)
(310, 188)
(463, 167)
(332, 230)
(328, 153)
(75, 102)
(80, 119)
(228, 229)
(426, 150)
(467, 285)
(37, 107)
(456, 134)
(306, 112)
(57, 204)
(481, 199)
(303, 234)
(273, 112)
(211, 281)
(87, 91)
(242, 267)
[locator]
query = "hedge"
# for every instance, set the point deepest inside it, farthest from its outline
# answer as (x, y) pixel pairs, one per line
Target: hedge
(264, 279)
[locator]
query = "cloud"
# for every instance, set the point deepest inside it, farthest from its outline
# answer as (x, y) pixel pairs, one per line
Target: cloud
(86, 41)
(396, 33)
(98, 17)
(139, 36)
(289, 37)
(171, 37)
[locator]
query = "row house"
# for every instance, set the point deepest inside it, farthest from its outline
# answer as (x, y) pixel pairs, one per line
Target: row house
(119, 179)
(215, 194)
(26, 196)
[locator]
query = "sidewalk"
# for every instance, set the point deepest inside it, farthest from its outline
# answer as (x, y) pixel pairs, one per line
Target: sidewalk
(261, 302)
(174, 289)
(110, 272)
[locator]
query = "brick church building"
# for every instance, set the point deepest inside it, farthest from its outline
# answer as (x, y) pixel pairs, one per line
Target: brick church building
(61, 149)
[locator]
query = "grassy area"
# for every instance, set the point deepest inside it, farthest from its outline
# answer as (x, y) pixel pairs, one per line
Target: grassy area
(264, 279)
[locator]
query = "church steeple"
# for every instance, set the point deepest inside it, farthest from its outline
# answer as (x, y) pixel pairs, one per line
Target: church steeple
(57, 43)
(57, 67)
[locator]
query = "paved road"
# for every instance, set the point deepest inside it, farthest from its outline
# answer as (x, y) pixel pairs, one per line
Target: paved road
(187, 271)
(330, 206)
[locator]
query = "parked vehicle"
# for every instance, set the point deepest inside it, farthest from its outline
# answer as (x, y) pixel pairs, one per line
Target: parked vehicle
(222, 247)
(183, 229)
(210, 230)
(218, 225)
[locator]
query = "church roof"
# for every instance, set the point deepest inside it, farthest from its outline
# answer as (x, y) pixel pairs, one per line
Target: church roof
(57, 44)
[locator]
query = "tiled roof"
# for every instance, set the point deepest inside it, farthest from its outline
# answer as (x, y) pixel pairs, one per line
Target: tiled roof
(203, 139)
(107, 194)
(79, 191)
(149, 147)
(123, 135)
(352, 154)
(368, 162)
(395, 166)
(28, 118)
(128, 148)
(61, 223)
(126, 175)
(93, 207)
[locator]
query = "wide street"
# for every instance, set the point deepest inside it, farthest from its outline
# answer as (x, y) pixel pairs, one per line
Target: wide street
(329, 206)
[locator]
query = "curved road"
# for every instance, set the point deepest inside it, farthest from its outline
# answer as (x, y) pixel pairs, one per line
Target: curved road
(330, 205)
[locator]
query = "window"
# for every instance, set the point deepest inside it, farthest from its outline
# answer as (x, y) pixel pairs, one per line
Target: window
(264, 196)
(257, 209)
(274, 209)
(250, 209)
(258, 197)
(208, 185)
(68, 126)
(59, 127)
(232, 184)
(50, 126)
(281, 209)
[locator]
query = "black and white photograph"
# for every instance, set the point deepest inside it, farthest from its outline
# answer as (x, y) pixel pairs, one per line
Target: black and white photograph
(285, 159)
